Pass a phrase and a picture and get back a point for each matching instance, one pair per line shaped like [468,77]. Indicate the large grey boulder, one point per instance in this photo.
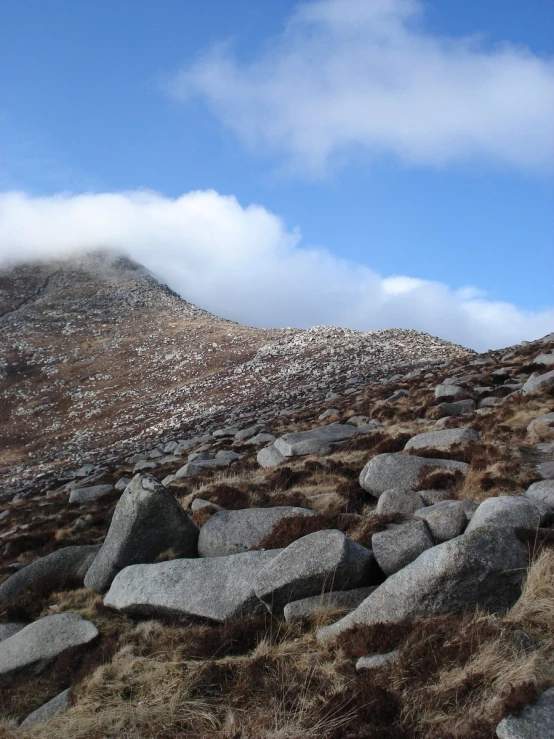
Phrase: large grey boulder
[219,588]
[510,511]
[231,532]
[539,383]
[324,560]
[542,494]
[65,568]
[534,722]
[449,392]
[482,568]
[445,519]
[270,456]
[54,707]
[457,408]
[314,441]
[337,600]
[43,640]
[400,544]
[403,471]
[146,522]
[90,494]
[442,440]
[400,502]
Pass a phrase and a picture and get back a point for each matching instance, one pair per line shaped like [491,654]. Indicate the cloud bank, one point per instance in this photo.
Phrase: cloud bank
[363,77]
[244,264]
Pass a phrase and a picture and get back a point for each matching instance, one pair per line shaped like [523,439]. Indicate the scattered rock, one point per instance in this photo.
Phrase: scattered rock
[250,432]
[448,392]
[546,359]
[88,495]
[122,483]
[314,441]
[146,522]
[261,439]
[402,502]
[482,568]
[40,642]
[338,600]
[445,519]
[322,561]
[55,707]
[219,588]
[199,503]
[510,511]
[459,408]
[222,433]
[270,456]
[231,532]
[402,471]
[534,722]
[376,660]
[65,568]
[542,494]
[539,383]
[443,440]
[541,428]
[399,545]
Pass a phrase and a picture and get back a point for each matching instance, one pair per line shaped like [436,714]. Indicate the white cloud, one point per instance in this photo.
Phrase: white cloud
[365,76]
[242,263]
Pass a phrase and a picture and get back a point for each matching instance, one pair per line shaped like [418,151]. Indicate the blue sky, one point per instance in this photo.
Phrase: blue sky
[377,139]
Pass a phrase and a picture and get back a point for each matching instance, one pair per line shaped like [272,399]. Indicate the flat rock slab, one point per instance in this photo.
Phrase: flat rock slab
[89,494]
[337,600]
[402,471]
[443,440]
[399,545]
[44,640]
[219,588]
[314,441]
[146,522]
[510,511]
[484,568]
[55,707]
[534,722]
[65,568]
[319,562]
[231,532]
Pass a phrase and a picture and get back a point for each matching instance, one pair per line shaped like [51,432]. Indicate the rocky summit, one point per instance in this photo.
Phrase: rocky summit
[211,530]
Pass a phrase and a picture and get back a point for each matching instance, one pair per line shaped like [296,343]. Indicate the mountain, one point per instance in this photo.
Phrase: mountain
[96,355]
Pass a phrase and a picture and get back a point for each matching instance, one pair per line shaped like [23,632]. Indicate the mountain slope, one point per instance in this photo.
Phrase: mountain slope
[94,352]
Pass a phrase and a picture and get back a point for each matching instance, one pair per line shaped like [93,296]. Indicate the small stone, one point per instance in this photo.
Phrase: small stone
[399,545]
[376,660]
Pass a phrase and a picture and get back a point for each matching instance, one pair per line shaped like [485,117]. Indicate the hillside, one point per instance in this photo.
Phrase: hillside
[375,565]
[97,355]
